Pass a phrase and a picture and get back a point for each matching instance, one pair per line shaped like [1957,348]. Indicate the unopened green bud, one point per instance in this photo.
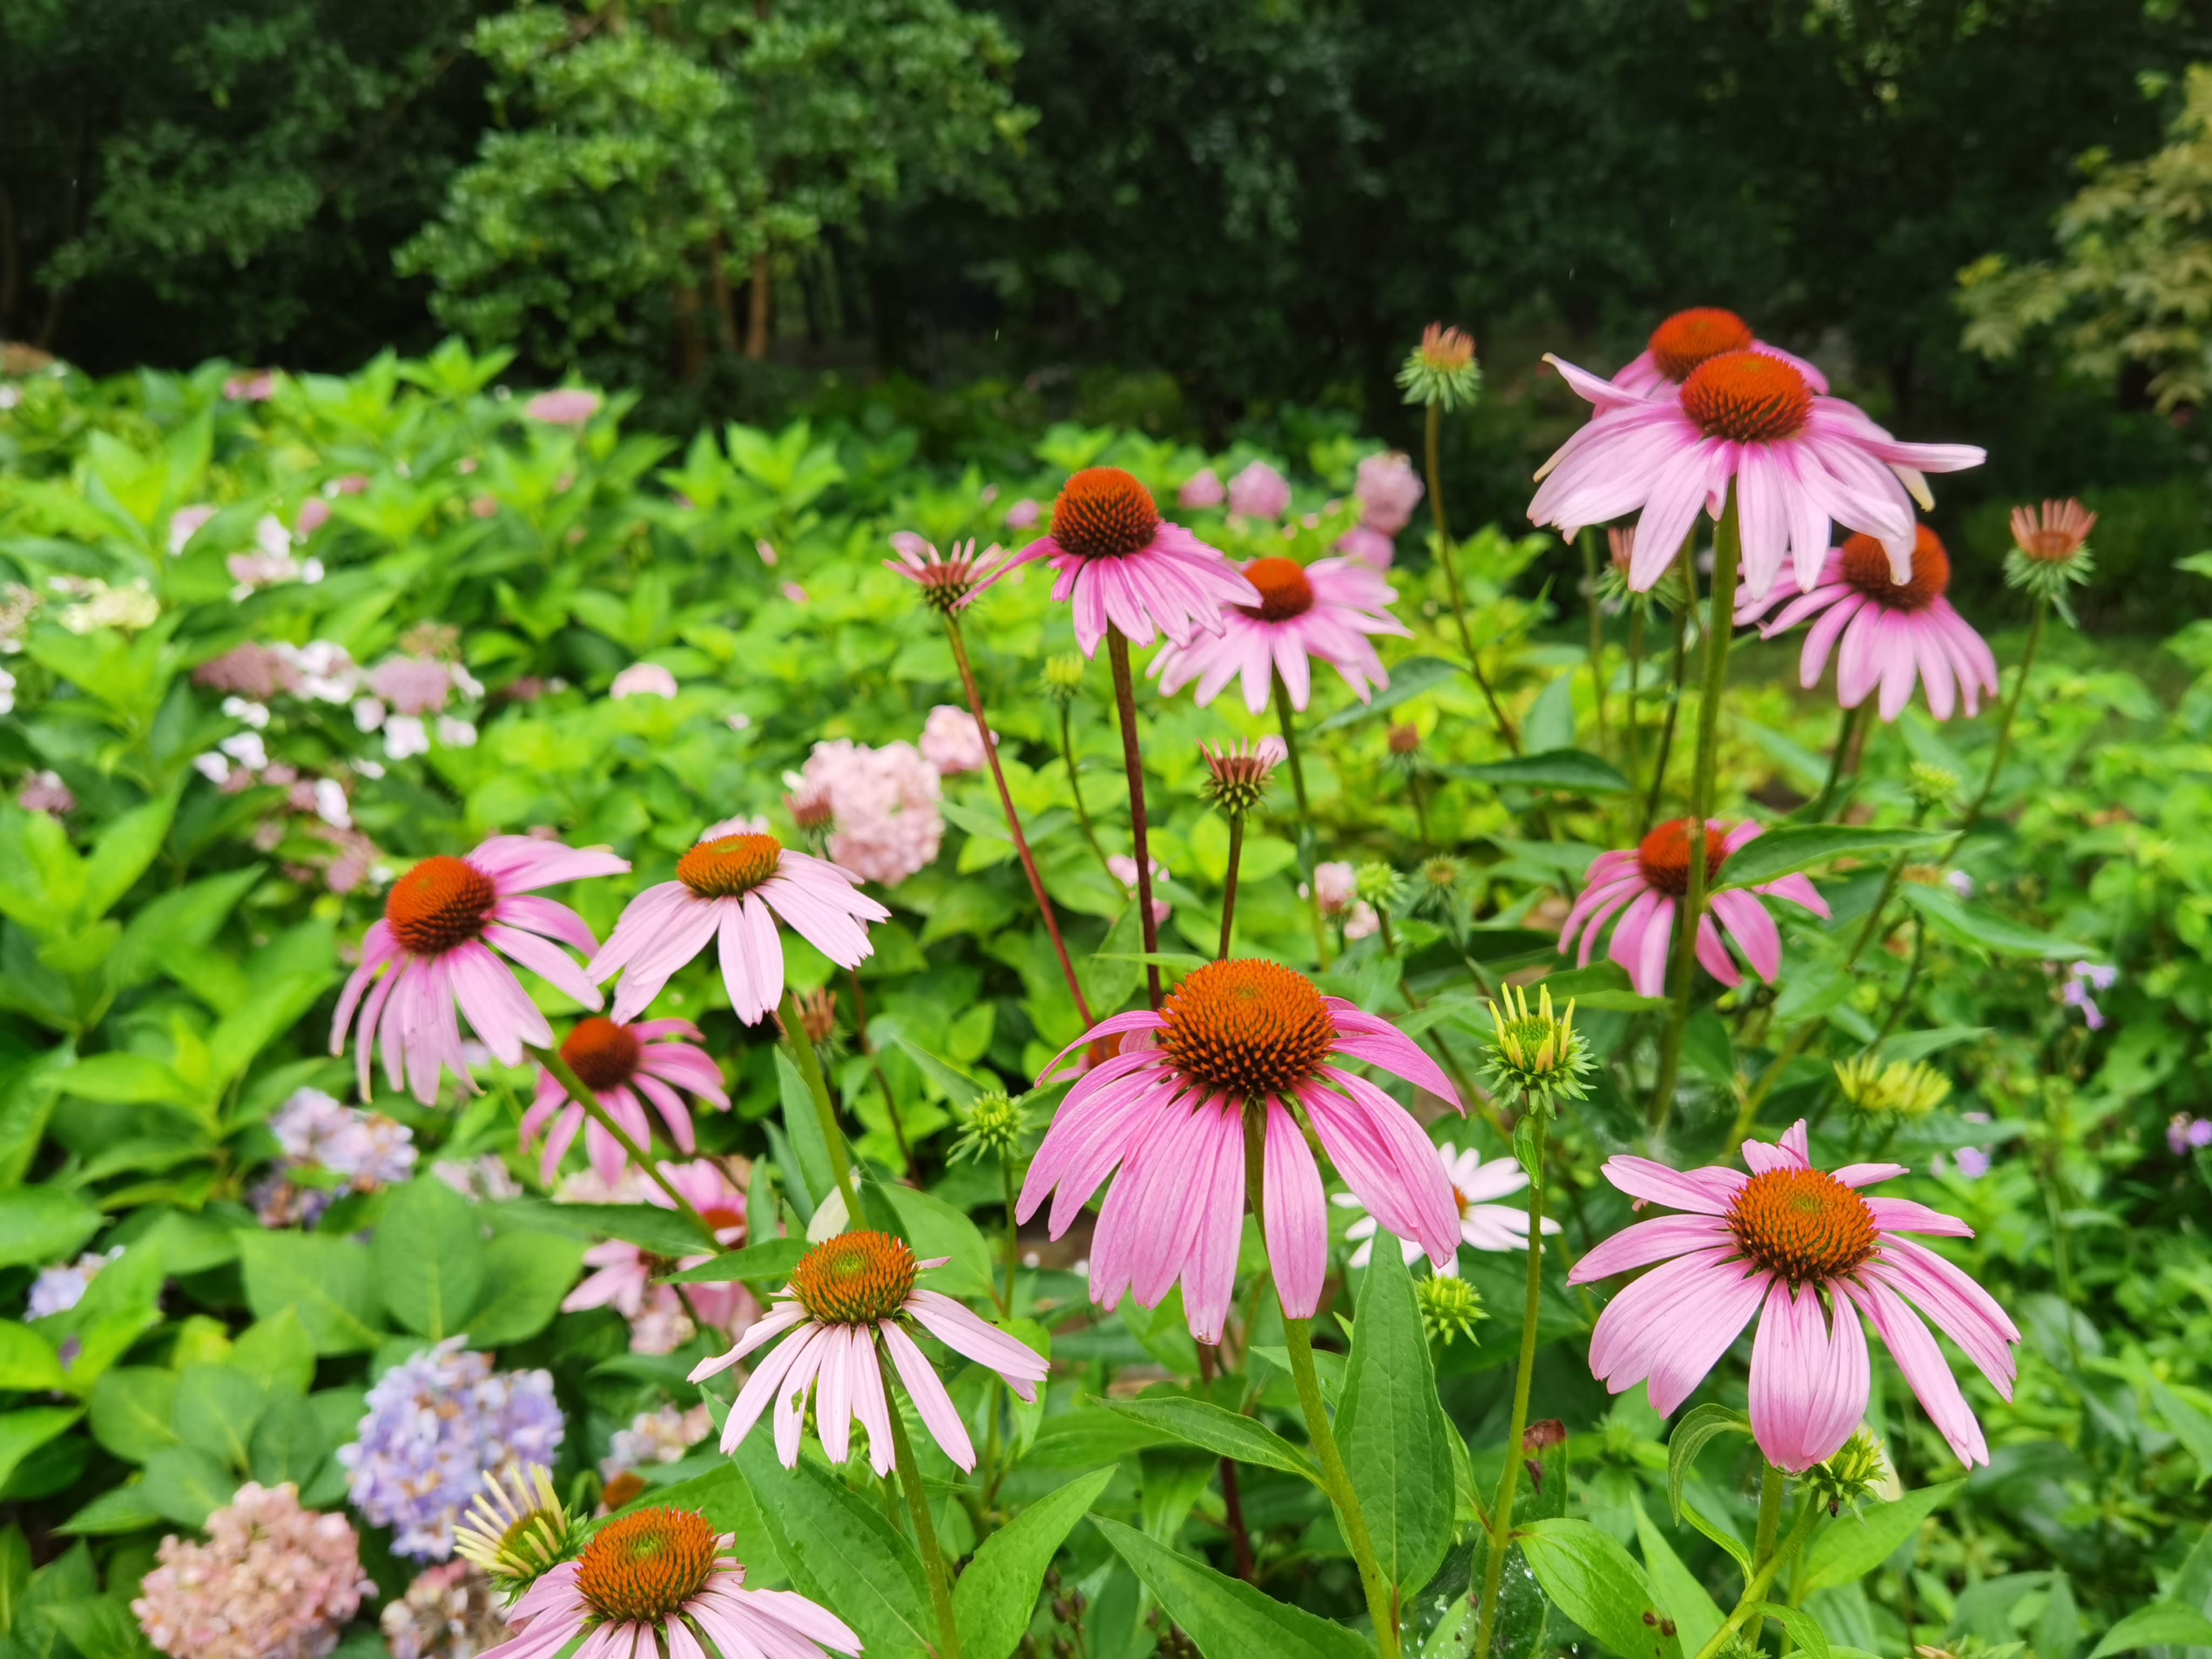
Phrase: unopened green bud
[1450,1308]
[1900,1089]
[993,1126]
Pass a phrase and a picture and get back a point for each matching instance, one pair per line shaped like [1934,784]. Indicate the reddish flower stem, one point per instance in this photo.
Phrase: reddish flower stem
[1125,706]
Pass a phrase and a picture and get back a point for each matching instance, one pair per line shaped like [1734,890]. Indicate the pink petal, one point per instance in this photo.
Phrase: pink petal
[1708,1191]
[1809,1387]
[964,1333]
[1296,1224]
[1645,1242]
[927,1392]
[1922,1361]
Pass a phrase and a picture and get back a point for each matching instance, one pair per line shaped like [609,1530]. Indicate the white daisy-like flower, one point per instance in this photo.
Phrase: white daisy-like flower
[1484,1224]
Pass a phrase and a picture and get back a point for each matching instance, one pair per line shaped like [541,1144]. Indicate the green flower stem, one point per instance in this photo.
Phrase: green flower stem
[1728,549]
[1336,1481]
[1836,759]
[1229,891]
[1133,761]
[917,1506]
[1451,579]
[1075,788]
[566,1077]
[1770,1515]
[1589,539]
[1013,818]
[802,1054]
[1501,1513]
[1635,695]
[1286,718]
[1754,1592]
[1013,1230]
[2004,729]
[1687,564]
[882,1082]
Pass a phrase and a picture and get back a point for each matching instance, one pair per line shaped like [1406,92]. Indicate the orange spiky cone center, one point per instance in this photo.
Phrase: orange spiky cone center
[1246,1029]
[854,1278]
[1663,856]
[1804,1225]
[1747,397]
[1103,512]
[643,1568]
[730,867]
[1866,566]
[602,1054]
[442,903]
[1690,337]
[1286,590]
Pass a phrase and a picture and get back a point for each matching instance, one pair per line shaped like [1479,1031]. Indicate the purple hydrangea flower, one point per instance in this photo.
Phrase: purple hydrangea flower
[2185,1134]
[436,1424]
[364,1150]
[56,1289]
[1973,1163]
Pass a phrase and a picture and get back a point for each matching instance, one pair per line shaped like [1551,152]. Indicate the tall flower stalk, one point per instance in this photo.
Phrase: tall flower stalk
[1132,762]
[588,1099]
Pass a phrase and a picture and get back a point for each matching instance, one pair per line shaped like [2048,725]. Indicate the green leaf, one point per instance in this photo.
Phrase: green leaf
[959,1088]
[934,1228]
[217,1408]
[841,1551]
[769,1261]
[1851,1547]
[428,1254]
[1691,1435]
[28,1361]
[134,1411]
[662,1232]
[187,1485]
[117,1509]
[1086,1438]
[525,1276]
[327,1282]
[2188,1425]
[1796,846]
[39,1224]
[1409,679]
[124,849]
[1110,973]
[289,1443]
[802,1123]
[23,1432]
[276,1353]
[1596,1582]
[100,1627]
[997,1591]
[2162,1624]
[1202,1424]
[14,1575]
[1804,1628]
[1227,1618]
[1695,1617]
[1392,1429]
[1574,771]
[1977,925]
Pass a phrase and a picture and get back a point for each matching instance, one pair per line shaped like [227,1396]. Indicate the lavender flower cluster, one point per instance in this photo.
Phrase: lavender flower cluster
[436,1424]
[362,1150]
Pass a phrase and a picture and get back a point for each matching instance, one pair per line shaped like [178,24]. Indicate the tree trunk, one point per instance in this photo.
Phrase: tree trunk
[690,346]
[756,322]
[726,310]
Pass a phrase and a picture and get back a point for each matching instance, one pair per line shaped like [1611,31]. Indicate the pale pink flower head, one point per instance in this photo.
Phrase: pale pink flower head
[952,741]
[1644,885]
[413,686]
[315,513]
[569,406]
[1892,634]
[1024,513]
[2056,534]
[645,1582]
[1123,566]
[660,1319]
[619,1063]
[1796,460]
[1327,609]
[1389,490]
[642,679]
[255,386]
[1808,1253]
[735,883]
[185,522]
[1335,886]
[1260,492]
[1689,338]
[1124,869]
[1483,1223]
[435,946]
[273,1581]
[1364,545]
[883,802]
[1201,490]
[852,1298]
[1238,1037]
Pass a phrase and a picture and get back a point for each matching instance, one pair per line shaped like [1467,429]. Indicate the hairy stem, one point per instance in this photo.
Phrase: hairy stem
[882,1082]
[1336,1481]
[1755,1591]
[1451,579]
[925,1533]
[1132,762]
[1228,890]
[1075,787]
[1501,1513]
[2004,728]
[1635,695]
[802,1054]
[1687,564]
[1286,718]
[1589,539]
[566,1077]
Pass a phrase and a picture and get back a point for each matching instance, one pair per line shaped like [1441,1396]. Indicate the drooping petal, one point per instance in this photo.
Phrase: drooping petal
[1809,1385]
[1296,1223]
[965,1333]
[1647,1241]
[1708,1191]
[927,1390]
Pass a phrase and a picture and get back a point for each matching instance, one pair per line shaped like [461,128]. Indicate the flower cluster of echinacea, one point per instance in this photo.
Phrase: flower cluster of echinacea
[446,923]
[1750,420]
[1643,887]
[1119,565]
[663,1581]
[1327,609]
[1885,634]
[1808,1253]
[734,886]
[848,1307]
[619,1063]
[1238,1038]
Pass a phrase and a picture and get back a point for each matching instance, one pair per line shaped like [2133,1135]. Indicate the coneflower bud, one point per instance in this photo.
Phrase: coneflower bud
[1932,786]
[1380,885]
[1449,1309]
[1900,1089]
[945,582]
[2050,551]
[1236,775]
[1848,1477]
[993,1126]
[1536,1059]
[810,807]
[1442,370]
[517,1528]
[817,1013]
[1063,677]
[1405,738]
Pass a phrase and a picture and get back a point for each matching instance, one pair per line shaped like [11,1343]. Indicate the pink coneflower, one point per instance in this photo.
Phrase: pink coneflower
[1689,338]
[736,882]
[1786,1238]
[618,1062]
[1484,1224]
[625,1273]
[442,921]
[1644,885]
[1327,609]
[1235,1037]
[848,1295]
[1797,460]
[1122,565]
[641,1585]
[1892,633]
[946,579]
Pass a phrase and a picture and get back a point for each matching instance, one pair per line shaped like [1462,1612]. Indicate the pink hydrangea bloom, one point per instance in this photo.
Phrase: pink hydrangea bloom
[569,406]
[1335,885]
[1644,885]
[1121,565]
[952,741]
[1809,1255]
[1388,489]
[1327,609]
[884,804]
[1024,513]
[1885,633]
[1202,490]
[852,1298]
[619,1062]
[1260,492]
[442,922]
[412,685]
[185,522]
[1236,1037]
[273,1581]
[642,679]
[1364,545]
[736,883]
